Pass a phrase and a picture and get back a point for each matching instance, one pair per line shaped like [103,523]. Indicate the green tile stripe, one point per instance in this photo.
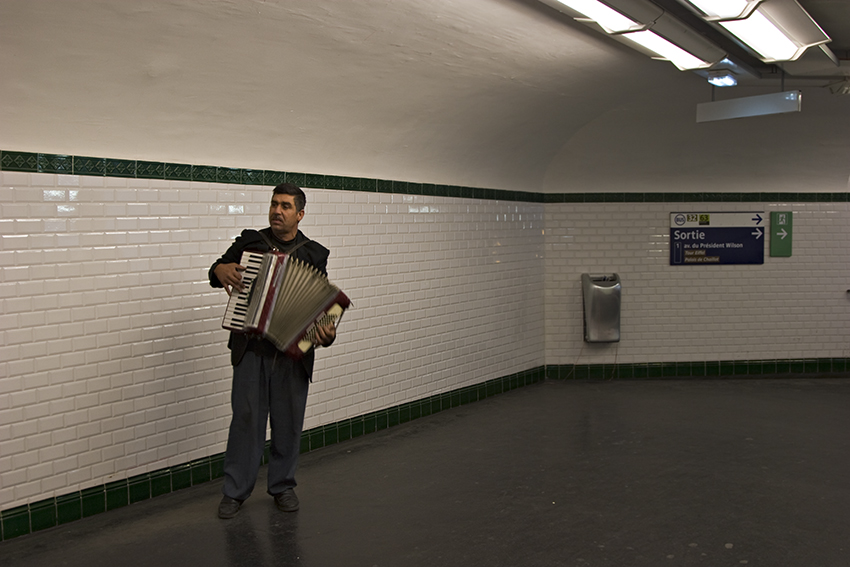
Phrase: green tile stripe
[109,167]
[695,197]
[811,367]
[52,512]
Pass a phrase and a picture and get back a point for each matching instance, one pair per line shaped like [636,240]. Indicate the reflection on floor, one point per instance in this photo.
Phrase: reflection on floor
[624,473]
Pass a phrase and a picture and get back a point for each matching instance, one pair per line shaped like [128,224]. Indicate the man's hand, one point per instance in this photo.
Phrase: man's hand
[230,276]
[325,335]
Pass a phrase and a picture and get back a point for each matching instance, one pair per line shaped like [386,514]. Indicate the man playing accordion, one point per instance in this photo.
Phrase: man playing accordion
[267,384]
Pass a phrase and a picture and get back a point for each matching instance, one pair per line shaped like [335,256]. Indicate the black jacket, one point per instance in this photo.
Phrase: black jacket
[310,252]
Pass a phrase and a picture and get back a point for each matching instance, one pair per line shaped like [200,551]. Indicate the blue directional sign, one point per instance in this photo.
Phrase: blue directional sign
[716,238]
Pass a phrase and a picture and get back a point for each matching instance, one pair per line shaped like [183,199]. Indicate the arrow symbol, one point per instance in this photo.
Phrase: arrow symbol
[783,234]
[757,233]
[757,218]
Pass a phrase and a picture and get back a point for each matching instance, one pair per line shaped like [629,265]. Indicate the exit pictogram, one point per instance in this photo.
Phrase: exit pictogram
[781,231]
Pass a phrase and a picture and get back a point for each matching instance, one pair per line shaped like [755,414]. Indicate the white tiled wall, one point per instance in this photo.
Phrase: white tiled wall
[113,362]
[795,307]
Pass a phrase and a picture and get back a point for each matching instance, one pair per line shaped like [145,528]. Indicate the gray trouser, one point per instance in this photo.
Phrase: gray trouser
[264,387]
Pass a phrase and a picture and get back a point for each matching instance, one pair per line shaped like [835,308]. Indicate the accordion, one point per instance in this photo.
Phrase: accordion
[283,299]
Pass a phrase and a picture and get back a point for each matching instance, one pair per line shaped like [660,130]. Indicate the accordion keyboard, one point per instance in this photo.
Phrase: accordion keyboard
[237,306]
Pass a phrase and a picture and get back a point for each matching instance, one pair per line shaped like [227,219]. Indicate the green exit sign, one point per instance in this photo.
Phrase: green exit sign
[781,230]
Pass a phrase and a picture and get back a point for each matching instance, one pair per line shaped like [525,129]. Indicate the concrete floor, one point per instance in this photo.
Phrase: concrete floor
[585,474]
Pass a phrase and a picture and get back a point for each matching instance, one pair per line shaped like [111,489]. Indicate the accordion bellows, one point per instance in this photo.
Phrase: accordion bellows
[283,299]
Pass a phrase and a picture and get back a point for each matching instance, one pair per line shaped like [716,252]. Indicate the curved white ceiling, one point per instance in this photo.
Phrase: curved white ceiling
[504,94]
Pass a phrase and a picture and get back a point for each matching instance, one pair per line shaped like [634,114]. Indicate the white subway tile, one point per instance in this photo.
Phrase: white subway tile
[114,291]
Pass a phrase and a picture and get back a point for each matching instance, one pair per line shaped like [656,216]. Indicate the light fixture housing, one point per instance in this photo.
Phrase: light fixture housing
[841,87]
[775,30]
[647,28]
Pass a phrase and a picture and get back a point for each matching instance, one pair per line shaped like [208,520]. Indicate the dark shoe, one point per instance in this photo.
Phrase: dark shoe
[228,507]
[286,501]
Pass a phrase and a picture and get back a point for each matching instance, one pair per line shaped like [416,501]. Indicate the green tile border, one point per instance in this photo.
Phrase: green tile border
[782,368]
[52,512]
[109,167]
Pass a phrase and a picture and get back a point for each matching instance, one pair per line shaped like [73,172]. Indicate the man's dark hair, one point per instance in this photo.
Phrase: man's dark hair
[295,191]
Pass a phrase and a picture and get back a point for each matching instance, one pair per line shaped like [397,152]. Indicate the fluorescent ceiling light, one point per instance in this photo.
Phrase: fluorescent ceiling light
[648,28]
[724,9]
[611,20]
[666,50]
[776,30]
[763,37]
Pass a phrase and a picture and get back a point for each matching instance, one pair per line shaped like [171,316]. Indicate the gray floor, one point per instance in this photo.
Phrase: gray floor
[625,474]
